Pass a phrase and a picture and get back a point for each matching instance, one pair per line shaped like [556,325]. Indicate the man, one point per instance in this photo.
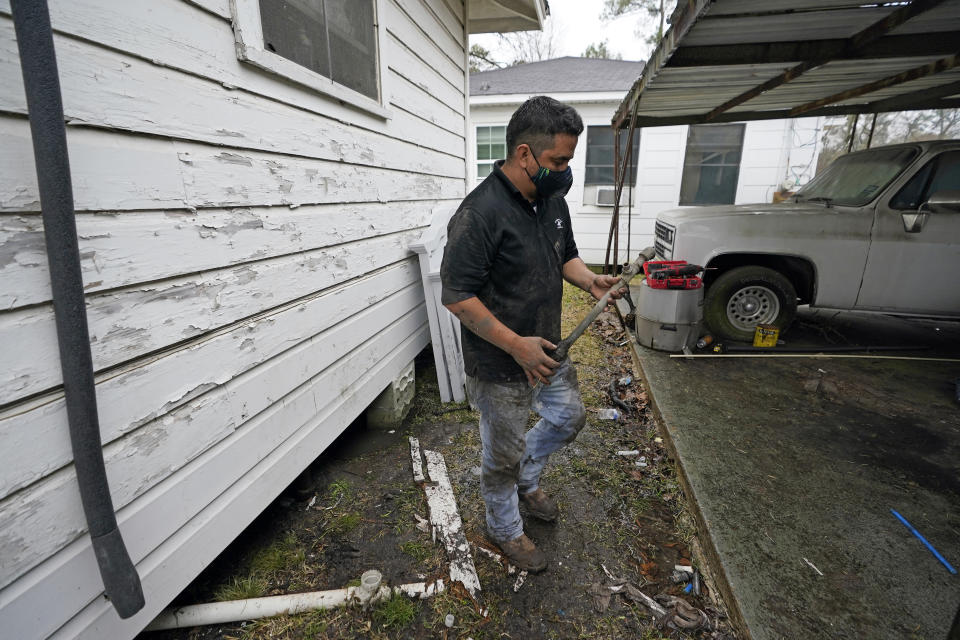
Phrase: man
[509,248]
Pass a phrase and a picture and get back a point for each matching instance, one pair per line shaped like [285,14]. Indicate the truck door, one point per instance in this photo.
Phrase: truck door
[914,272]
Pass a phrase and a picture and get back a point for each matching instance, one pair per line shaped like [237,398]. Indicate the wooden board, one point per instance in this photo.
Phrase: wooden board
[217,7]
[451,17]
[121,250]
[112,171]
[129,323]
[407,64]
[433,29]
[203,508]
[103,88]
[143,458]
[35,435]
[415,100]
[178,35]
[446,518]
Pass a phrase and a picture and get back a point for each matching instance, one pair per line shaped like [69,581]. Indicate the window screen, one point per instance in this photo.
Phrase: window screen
[335,38]
[600,167]
[491,146]
[711,166]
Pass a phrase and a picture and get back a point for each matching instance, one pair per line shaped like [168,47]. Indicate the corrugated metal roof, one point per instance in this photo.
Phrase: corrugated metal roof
[560,75]
[732,60]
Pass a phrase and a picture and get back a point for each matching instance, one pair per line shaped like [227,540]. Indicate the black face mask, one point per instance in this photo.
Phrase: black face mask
[551,184]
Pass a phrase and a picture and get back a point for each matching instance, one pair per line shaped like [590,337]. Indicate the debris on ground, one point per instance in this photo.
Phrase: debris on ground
[368,513]
[511,569]
[445,517]
[682,616]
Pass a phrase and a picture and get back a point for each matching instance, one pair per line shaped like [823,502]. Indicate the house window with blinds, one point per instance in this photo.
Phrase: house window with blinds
[711,166]
[335,38]
[600,166]
[491,146]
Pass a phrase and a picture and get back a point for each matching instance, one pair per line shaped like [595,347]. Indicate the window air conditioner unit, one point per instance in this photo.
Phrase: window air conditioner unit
[606,196]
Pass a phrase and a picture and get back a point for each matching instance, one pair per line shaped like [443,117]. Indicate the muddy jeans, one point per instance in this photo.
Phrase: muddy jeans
[512,460]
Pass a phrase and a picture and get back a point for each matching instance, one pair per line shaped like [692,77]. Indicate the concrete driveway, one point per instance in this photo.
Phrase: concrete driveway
[794,465]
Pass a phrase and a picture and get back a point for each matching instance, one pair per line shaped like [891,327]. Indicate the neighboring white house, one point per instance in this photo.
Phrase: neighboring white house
[248,176]
[674,166]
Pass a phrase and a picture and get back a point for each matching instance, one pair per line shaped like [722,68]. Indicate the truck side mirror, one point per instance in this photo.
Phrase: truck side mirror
[943,202]
[913,221]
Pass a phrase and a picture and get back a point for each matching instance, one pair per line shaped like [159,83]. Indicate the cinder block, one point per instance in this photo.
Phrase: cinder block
[393,404]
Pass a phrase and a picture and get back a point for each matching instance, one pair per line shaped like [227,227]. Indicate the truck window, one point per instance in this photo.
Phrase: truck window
[940,174]
[856,179]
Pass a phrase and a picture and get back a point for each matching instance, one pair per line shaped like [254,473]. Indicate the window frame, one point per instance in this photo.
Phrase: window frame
[934,164]
[683,167]
[476,144]
[248,34]
[634,162]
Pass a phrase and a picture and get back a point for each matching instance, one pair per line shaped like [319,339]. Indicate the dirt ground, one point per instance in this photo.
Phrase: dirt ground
[356,507]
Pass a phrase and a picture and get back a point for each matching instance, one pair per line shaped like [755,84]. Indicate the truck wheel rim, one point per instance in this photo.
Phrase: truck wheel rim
[751,306]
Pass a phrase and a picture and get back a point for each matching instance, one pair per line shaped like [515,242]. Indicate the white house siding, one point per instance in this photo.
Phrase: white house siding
[773,150]
[244,246]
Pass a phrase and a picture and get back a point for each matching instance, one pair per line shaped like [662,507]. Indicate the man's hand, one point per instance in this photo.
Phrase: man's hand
[529,354]
[527,351]
[576,273]
[601,284]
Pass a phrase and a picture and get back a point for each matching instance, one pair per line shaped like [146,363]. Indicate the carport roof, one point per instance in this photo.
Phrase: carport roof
[737,60]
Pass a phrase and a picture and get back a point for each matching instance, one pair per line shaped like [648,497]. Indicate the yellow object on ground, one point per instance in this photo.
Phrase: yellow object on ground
[765,335]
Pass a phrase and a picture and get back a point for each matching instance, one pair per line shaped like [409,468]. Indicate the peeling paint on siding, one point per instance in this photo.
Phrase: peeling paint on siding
[234,158]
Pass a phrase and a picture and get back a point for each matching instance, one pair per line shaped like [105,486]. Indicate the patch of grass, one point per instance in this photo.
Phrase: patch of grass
[400,509]
[332,623]
[338,490]
[344,523]
[397,612]
[316,622]
[282,555]
[417,550]
[241,589]
[467,620]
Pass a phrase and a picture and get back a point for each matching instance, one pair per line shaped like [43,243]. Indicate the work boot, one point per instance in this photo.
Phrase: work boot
[540,505]
[523,554]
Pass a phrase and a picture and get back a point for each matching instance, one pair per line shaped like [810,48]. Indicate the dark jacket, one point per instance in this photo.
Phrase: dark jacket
[509,254]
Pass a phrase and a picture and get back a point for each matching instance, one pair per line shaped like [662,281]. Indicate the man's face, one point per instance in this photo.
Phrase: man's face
[557,157]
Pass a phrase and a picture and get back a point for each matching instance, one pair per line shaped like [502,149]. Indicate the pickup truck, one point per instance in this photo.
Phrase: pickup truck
[878,230]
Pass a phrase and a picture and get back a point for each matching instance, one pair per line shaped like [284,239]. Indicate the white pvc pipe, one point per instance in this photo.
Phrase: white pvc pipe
[371,590]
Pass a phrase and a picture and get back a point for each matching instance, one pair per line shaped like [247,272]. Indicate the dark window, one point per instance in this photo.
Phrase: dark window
[940,174]
[600,168]
[711,166]
[491,146]
[335,38]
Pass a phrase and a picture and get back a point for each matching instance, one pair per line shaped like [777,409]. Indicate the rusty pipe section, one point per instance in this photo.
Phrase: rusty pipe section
[626,276]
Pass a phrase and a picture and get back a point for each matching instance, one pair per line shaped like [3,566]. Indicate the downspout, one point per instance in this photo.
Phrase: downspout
[31,19]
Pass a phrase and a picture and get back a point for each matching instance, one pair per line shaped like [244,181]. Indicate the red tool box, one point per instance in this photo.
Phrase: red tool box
[669,278]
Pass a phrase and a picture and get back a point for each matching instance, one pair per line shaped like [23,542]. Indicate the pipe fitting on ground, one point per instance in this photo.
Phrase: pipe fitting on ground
[371,589]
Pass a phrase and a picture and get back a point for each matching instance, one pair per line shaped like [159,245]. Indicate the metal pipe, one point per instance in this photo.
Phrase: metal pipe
[815,349]
[823,356]
[31,19]
[629,271]
[370,591]
[853,132]
[873,125]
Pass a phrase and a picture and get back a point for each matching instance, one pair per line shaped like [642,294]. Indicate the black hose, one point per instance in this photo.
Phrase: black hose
[31,19]
[615,397]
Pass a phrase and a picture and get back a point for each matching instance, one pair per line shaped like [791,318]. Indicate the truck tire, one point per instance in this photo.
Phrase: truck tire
[744,297]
